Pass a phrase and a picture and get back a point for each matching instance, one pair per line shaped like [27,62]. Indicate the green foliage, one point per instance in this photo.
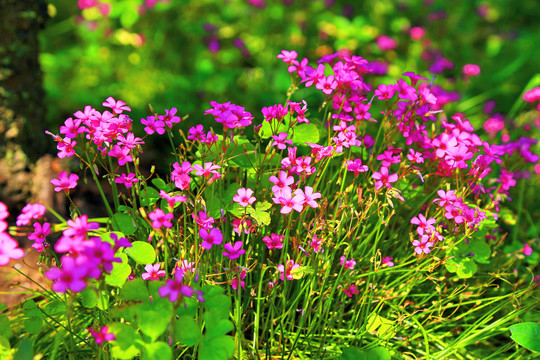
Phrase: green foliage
[378,353]
[526,334]
[142,252]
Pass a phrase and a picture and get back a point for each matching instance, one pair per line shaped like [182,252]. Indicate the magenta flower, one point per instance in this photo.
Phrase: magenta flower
[196,133]
[423,245]
[29,212]
[356,166]
[347,264]
[3,211]
[279,141]
[70,276]
[103,335]
[471,70]
[153,272]
[129,141]
[274,241]
[160,219]
[40,232]
[173,288]
[65,182]
[446,198]
[284,181]
[72,128]
[203,220]
[527,250]
[122,154]
[117,106]
[308,196]
[207,170]
[286,269]
[127,180]
[239,281]
[288,57]
[234,251]
[212,237]
[9,249]
[172,200]
[388,261]
[242,225]
[180,175]
[424,225]
[351,290]
[243,197]
[288,202]
[66,147]
[184,267]
[170,117]
[383,178]
[385,92]
[386,43]
[153,125]
[327,84]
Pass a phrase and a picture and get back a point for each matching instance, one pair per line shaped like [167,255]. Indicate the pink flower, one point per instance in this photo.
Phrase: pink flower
[129,141]
[239,281]
[386,43]
[127,180]
[234,251]
[103,335]
[387,260]
[287,268]
[423,246]
[153,125]
[40,231]
[280,141]
[527,249]
[3,211]
[65,182]
[281,182]
[471,70]
[180,175]
[383,178]
[274,241]
[207,170]
[153,272]
[203,220]
[327,84]
[351,290]
[417,33]
[173,288]
[172,200]
[9,249]
[212,237]
[243,197]
[288,202]
[66,147]
[72,128]
[29,212]
[170,117]
[308,196]
[424,225]
[122,154]
[184,267]
[160,219]
[288,57]
[117,106]
[347,264]
[70,276]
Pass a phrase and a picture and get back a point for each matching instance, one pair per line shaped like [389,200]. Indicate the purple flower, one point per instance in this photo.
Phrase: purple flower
[274,241]
[153,125]
[212,237]
[170,117]
[234,251]
[102,336]
[70,276]
[173,288]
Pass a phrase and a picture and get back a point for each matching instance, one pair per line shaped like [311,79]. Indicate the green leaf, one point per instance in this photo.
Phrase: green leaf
[187,331]
[305,133]
[221,304]
[119,273]
[107,236]
[149,196]
[134,290]
[215,329]
[24,351]
[127,342]
[123,223]
[480,249]
[142,252]
[157,351]
[526,334]
[188,308]
[103,300]
[261,217]
[4,346]
[153,318]
[30,309]
[5,329]
[89,298]
[244,155]
[161,185]
[55,307]
[221,348]
[299,273]
[378,353]
[467,268]
[33,325]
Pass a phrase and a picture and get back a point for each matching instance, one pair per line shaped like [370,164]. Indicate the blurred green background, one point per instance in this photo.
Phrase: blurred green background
[184,53]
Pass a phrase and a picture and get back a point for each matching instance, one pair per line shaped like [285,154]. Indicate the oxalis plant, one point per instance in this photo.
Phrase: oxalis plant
[363,228]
